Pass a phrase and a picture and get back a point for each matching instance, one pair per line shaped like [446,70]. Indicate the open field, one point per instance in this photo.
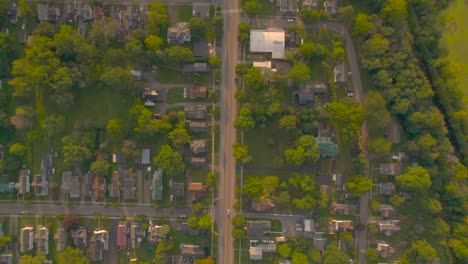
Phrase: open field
[455,38]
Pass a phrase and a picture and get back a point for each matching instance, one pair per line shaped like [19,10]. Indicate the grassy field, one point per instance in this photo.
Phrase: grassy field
[185,12]
[176,95]
[167,75]
[455,38]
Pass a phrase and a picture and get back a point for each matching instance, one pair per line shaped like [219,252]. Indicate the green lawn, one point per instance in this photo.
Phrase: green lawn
[198,174]
[268,8]
[455,39]
[176,95]
[171,75]
[185,12]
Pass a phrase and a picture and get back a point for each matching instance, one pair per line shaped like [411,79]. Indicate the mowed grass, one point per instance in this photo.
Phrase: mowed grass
[454,39]
[185,12]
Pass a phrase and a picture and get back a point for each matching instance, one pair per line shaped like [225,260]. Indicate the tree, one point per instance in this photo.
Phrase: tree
[242,69]
[348,115]
[179,137]
[362,25]
[375,112]
[72,255]
[338,53]
[198,28]
[158,18]
[299,257]
[18,150]
[163,248]
[100,167]
[379,144]
[254,79]
[103,32]
[300,73]
[420,252]
[118,78]
[302,188]
[215,62]
[114,128]
[244,32]
[305,151]
[204,222]
[359,185]
[245,118]
[288,122]
[360,162]
[372,255]
[218,24]
[238,233]
[347,14]
[75,154]
[178,55]
[115,57]
[310,16]
[252,7]
[395,10]
[54,124]
[284,250]
[153,43]
[38,259]
[417,179]
[334,256]
[207,260]
[240,151]
[239,221]
[256,187]
[169,160]
[396,200]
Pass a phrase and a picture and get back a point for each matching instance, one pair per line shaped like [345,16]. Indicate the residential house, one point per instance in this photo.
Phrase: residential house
[133,19]
[40,185]
[122,235]
[386,188]
[114,185]
[61,239]
[308,92]
[339,183]
[331,6]
[197,161]
[340,226]
[319,241]
[270,40]
[179,33]
[157,185]
[99,243]
[198,127]
[6,258]
[390,169]
[12,13]
[384,250]
[287,7]
[71,184]
[262,205]
[85,11]
[310,4]
[190,253]
[343,209]
[128,188]
[389,227]
[255,253]
[41,238]
[326,147]
[198,146]
[23,185]
[258,227]
[53,13]
[137,76]
[87,184]
[387,210]
[177,190]
[393,131]
[137,234]
[151,95]
[195,112]
[197,190]
[70,13]
[79,238]
[26,239]
[195,92]
[202,49]
[195,67]
[154,234]
[99,188]
[145,156]
[339,73]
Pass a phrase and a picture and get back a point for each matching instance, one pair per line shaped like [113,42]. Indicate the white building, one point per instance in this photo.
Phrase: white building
[268,40]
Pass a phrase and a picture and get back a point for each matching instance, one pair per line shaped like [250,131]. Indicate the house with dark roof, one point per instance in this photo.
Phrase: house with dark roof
[343,209]
[195,112]
[198,127]
[137,234]
[26,239]
[114,185]
[189,254]
[157,185]
[151,95]
[262,204]
[326,147]
[61,239]
[99,243]
[179,33]
[386,188]
[258,227]
[389,227]
[97,13]
[79,238]
[87,184]
[197,161]
[338,180]
[195,67]
[12,13]
[137,76]
[314,4]
[340,226]
[390,169]
[287,7]
[198,146]
[41,238]
[99,188]
[255,253]
[319,241]
[387,210]
[196,92]
[85,11]
[23,185]
[71,184]
[308,92]
[6,258]
[339,73]
[40,185]
[331,6]
[197,190]
[177,190]
[202,49]
[122,235]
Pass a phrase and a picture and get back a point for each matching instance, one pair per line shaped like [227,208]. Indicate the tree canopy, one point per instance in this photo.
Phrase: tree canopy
[169,160]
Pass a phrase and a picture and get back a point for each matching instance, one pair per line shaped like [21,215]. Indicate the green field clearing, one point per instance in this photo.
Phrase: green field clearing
[176,95]
[455,38]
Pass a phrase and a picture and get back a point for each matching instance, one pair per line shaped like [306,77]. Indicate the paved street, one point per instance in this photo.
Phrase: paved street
[227,181]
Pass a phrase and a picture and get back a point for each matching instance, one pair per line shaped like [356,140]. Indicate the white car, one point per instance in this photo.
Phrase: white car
[228,212]
[290,20]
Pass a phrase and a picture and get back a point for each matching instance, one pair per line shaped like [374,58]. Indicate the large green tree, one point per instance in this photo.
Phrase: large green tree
[334,256]
[305,151]
[416,179]
[169,160]
[347,114]
[100,167]
[300,73]
[158,18]
[420,252]
[245,118]
[198,27]
[179,137]
[118,78]
[178,55]
[72,255]
[375,112]
[254,79]
[359,185]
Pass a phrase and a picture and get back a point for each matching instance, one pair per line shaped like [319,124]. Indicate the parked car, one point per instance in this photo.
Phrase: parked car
[349,92]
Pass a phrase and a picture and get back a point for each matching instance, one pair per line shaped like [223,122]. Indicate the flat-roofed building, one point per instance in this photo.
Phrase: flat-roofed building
[268,40]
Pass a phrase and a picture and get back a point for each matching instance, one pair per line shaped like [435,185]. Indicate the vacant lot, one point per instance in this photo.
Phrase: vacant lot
[455,38]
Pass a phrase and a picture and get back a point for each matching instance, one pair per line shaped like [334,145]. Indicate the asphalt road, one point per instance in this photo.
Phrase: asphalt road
[227,181]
